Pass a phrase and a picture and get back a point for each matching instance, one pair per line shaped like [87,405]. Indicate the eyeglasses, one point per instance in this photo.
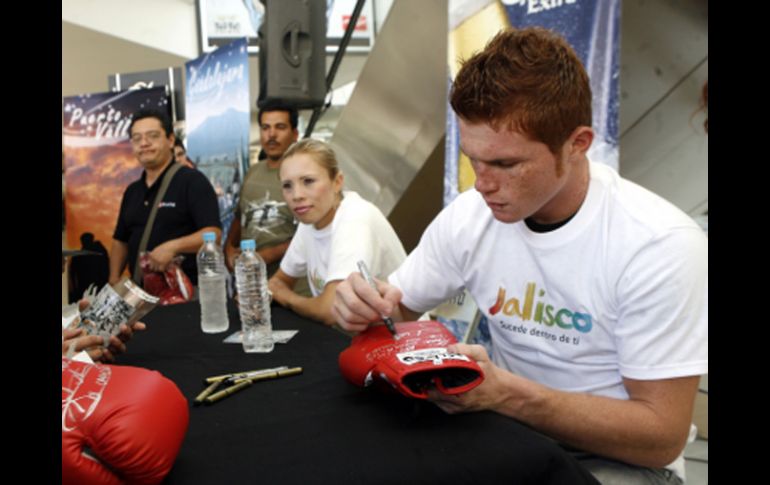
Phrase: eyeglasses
[152,136]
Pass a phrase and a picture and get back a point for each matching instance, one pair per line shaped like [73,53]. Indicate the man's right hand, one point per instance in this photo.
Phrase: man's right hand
[356,304]
[75,340]
[94,344]
[231,252]
[233,242]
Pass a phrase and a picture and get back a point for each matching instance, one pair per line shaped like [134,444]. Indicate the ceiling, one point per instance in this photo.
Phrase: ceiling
[664,63]
[89,57]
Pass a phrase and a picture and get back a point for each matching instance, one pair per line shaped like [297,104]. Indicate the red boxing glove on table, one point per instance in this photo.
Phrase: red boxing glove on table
[410,362]
[120,424]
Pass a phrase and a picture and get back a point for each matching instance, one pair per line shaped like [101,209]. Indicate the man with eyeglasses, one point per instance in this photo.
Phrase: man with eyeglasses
[188,208]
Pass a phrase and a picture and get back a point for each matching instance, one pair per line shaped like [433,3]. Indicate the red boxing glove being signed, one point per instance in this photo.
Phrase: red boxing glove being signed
[413,361]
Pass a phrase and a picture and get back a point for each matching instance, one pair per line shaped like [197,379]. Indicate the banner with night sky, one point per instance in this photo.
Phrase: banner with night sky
[98,160]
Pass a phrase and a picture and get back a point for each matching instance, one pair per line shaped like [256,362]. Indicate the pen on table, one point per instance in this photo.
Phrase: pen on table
[368,277]
[285,372]
[240,375]
[246,382]
[227,391]
[211,388]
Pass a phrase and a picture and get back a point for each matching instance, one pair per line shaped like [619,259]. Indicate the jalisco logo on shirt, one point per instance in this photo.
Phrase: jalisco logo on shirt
[544,313]
[317,282]
[166,204]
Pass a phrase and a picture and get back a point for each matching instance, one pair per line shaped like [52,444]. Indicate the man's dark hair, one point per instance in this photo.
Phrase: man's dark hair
[293,113]
[178,143]
[165,121]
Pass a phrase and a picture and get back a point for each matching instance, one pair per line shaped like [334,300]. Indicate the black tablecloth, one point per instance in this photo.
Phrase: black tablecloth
[318,428]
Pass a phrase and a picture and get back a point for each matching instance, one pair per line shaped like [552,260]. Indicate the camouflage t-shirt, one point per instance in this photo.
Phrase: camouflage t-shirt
[265,216]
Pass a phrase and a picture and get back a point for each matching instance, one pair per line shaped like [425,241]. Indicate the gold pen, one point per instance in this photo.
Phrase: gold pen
[246,382]
[211,388]
[241,375]
[272,375]
[227,391]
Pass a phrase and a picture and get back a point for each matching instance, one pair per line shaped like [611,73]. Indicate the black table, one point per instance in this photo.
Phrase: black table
[318,428]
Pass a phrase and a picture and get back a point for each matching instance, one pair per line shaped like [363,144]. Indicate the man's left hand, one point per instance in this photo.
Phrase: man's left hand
[489,395]
[161,257]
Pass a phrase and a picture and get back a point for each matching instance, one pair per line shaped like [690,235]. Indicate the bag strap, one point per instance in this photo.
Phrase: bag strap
[151,220]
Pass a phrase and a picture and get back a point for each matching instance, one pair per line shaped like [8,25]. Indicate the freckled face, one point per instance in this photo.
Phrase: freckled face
[516,175]
[309,191]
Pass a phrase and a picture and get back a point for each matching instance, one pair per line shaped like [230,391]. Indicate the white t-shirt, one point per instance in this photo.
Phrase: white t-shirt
[358,231]
[621,290]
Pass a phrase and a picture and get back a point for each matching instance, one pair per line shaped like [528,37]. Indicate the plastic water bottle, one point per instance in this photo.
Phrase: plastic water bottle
[211,285]
[254,299]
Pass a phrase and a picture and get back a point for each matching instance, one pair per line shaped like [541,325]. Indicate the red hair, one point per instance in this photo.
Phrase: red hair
[531,80]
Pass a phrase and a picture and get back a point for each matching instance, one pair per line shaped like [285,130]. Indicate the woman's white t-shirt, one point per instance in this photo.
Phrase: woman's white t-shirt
[358,232]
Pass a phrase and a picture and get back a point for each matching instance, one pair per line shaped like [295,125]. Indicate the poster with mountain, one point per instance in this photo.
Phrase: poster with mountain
[218,121]
[98,160]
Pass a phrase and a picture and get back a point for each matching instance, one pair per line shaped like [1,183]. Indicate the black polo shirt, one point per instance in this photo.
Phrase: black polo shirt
[188,205]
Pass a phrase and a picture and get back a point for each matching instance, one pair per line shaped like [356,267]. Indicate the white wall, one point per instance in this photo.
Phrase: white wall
[165,25]
[664,62]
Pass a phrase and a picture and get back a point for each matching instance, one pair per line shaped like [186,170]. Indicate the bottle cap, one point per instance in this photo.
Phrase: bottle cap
[248,244]
[209,236]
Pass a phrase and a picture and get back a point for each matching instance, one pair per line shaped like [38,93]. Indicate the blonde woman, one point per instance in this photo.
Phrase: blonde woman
[337,229]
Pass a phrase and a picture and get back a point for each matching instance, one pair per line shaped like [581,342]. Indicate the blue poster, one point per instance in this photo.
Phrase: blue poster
[592,27]
[218,120]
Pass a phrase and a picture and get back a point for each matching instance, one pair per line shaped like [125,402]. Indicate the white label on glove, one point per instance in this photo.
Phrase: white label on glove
[436,355]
